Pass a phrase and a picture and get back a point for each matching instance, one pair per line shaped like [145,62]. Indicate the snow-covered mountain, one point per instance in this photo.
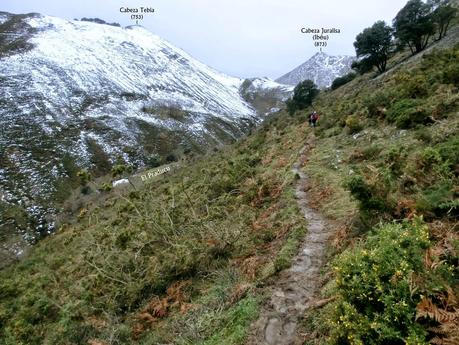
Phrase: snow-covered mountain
[320,68]
[80,95]
[265,95]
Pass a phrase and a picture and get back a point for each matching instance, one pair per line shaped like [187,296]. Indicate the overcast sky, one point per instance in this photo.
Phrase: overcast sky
[243,38]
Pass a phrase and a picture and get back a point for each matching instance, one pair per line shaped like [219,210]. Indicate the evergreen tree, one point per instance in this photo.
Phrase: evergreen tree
[303,95]
[443,13]
[374,45]
[414,25]
[362,66]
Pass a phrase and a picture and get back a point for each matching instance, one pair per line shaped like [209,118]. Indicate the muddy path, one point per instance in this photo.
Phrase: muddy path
[296,289]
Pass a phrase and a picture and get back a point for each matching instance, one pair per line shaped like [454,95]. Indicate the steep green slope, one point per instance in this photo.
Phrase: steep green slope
[197,242]
[393,143]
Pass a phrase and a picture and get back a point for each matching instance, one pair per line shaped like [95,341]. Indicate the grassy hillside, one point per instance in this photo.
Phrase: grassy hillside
[184,259]
[393,143]
[174,262]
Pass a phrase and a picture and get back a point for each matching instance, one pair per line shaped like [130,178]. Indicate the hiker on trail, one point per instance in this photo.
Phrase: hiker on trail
[313,118]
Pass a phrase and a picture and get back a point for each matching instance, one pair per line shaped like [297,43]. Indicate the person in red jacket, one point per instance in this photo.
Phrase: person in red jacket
[313,118]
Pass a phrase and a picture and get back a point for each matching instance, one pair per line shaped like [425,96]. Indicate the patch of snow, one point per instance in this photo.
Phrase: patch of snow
[267,83]
[3,18]
[120,182]
[96,57]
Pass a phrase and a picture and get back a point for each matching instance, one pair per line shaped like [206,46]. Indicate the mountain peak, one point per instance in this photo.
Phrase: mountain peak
[319,54]
[99,94]
[320,68]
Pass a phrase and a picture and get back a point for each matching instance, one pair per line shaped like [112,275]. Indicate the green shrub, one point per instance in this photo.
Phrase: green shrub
[377,103]
[154,161]
[443,104]
[120,169]
[106,187]
[442,66]
[84,176]
[406,113]
[430,156]
[171,158]
[85,190]
[395,160]
[449,151]
[412,86]
[450,74]
[367,153]
[370,197]
[449,208]
[423,134]
[435,199]
[354,124]
[340,81]
[431,163]
[374,284]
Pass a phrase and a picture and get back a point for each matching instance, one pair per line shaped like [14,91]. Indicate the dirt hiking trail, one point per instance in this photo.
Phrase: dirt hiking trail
[296,288]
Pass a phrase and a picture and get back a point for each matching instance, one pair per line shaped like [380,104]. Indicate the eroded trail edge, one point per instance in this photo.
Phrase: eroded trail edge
[296,288]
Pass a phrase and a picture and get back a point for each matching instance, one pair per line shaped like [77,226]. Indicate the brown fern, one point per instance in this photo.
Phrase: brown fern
[159,308]
[447,332]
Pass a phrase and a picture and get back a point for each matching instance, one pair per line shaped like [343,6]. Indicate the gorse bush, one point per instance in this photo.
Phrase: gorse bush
[411,85]
[449,151]
[407,113]
[377,103]
[354,124]
[371,197]
[451,74]
[121,169]
[106,187]
[395,160]
[435,199]
[378,287]
[432,167]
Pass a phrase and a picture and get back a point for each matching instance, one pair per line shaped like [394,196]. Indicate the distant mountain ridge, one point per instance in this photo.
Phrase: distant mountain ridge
[321,68]
[82,95]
